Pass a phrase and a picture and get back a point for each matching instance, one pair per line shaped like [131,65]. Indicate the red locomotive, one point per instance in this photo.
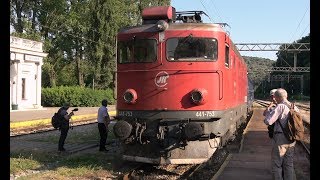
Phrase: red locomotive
[181,88]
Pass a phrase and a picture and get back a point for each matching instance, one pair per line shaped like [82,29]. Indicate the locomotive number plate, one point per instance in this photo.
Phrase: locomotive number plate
[205,113]
[125,113]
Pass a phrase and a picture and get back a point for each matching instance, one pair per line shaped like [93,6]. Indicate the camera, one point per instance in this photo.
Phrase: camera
[75,109]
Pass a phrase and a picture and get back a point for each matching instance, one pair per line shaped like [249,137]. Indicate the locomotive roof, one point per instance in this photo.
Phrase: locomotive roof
[173,26]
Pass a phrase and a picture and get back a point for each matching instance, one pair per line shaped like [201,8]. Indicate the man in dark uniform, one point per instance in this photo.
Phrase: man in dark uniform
[103,122]
[64,128]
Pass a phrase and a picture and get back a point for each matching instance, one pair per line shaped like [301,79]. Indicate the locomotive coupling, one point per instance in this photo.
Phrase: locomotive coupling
[193,131]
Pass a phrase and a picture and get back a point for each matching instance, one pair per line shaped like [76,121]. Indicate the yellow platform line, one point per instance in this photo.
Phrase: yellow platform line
[47,121]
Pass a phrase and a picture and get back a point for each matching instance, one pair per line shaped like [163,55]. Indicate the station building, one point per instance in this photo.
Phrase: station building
[26,59]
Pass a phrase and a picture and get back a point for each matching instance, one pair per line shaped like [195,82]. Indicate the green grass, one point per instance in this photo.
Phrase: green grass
[59,166]
[78,165]
[88,161]
[22,161]
[23,164]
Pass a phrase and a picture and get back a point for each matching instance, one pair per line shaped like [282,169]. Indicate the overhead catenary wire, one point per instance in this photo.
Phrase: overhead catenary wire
[304,31]
[222,22]
[217,10]
[299,24]
[206,10]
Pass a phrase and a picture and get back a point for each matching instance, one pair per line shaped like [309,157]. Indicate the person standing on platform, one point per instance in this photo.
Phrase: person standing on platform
[64,128]
[282,149]
[103,122]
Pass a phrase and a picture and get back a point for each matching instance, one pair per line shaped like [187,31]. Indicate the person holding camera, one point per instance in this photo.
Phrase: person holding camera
[273,103]
[269,109]
[103,122]
[64,128]
[282,149]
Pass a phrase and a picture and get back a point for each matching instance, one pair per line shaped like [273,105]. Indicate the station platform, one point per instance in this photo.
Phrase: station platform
[254,158]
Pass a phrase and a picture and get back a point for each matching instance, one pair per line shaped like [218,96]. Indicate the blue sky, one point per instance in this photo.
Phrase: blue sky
[256,21]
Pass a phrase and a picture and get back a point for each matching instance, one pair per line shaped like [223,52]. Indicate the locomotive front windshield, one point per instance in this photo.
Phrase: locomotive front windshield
[192,49]
[137,51]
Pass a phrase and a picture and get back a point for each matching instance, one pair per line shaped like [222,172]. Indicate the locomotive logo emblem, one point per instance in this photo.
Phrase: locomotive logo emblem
[161,79]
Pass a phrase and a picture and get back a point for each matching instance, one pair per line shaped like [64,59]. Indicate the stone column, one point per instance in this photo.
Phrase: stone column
[18,85]
[38,82]
[14,83]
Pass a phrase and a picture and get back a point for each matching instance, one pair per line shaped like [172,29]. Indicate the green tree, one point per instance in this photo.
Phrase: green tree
[79,36]
[257,69]
[106,17]
[17,8]
[286,59]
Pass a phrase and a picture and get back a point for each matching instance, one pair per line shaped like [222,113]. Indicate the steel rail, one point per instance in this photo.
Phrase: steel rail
[47,128]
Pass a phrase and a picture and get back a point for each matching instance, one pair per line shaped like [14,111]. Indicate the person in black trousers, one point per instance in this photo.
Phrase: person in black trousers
[103,122]
[64,128]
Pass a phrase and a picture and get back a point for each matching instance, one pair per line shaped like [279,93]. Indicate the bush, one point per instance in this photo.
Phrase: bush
[75,95]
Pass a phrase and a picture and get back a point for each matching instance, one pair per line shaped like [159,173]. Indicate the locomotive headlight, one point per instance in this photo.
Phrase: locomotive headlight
[198,96]
[130,96]
[162,25]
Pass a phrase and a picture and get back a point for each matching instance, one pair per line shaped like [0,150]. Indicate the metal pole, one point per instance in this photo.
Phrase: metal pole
[93,83]
[294,61]
[263,82]
[301,80]
[116,70]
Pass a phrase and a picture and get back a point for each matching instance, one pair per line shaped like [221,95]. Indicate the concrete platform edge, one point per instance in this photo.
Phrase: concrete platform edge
[225,163]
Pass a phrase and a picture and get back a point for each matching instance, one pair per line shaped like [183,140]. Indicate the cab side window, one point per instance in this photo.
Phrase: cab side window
[227,56]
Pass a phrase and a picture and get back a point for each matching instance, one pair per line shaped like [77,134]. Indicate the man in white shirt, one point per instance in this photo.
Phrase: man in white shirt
[103,122]
[283,150]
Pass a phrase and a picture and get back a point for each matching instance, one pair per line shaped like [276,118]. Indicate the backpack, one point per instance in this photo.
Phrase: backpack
[56,120]
[295,129]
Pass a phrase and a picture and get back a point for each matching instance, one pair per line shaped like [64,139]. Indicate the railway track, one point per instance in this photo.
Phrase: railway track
[72,147]
[147,171]
[206,170]
[202,171]
[46,128]
[299,105]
